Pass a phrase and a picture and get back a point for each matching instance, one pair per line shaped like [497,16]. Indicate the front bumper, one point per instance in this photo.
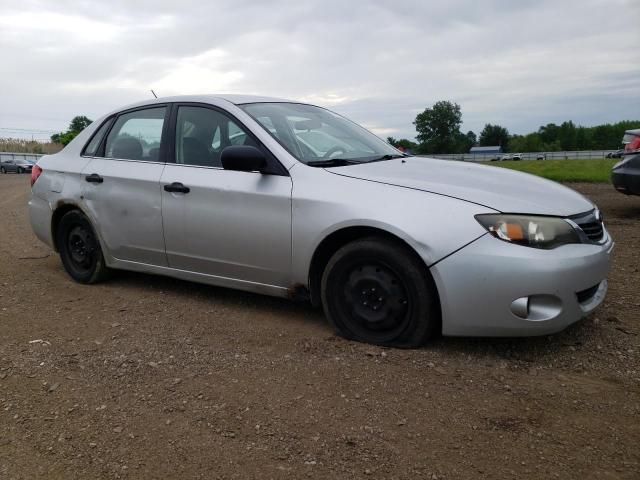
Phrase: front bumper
[481,287]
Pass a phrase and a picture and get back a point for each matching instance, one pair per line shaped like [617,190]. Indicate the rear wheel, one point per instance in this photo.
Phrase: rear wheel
[79,248]
[375,291]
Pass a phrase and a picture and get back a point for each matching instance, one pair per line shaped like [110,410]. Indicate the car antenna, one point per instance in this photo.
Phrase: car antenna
[154,93]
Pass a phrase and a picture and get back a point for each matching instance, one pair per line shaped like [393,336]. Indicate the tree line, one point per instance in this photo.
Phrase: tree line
[77,124]
[438,132]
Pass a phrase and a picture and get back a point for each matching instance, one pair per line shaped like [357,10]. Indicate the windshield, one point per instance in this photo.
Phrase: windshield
[313,134]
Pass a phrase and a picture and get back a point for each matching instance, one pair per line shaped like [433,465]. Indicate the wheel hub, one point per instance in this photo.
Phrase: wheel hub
[80,242]
[376,298]
[373,298]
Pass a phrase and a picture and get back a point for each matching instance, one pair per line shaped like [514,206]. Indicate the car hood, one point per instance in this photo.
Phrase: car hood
[494,187]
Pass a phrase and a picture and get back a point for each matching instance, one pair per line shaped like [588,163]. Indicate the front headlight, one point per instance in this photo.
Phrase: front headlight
[530,231]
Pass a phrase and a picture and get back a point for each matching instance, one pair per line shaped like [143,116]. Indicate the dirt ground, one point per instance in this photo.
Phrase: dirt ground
[148,377]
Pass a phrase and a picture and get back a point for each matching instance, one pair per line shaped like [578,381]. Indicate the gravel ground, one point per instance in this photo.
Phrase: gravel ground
[148,377]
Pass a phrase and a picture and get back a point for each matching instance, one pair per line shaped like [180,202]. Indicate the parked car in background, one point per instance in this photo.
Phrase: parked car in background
[626,174]
[16,166]
[517,156]
[395,248]
[505,157]
[541,156]
[616,154]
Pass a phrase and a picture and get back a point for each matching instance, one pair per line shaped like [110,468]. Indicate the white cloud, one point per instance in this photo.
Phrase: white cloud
[520,64]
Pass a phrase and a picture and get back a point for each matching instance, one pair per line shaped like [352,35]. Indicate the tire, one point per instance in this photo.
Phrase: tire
[376,291]
[80,250]
[20,170]
[3,170]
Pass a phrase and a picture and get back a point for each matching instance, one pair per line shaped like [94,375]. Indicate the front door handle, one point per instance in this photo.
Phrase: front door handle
[176,187]
[94,178]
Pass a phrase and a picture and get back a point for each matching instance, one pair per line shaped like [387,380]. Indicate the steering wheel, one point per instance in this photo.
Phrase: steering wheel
[333,150]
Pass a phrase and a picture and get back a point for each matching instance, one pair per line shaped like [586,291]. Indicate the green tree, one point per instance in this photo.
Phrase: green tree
[549,133]
[78,124]
[403,143]
[464,142]
[567,136]
[494,135]
[469,140]
[472,138]
[438,127]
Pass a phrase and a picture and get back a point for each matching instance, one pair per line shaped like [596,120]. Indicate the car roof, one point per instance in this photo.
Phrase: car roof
[212,98]
[633,132]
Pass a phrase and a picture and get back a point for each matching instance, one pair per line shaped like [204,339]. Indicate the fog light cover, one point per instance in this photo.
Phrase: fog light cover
[537,307]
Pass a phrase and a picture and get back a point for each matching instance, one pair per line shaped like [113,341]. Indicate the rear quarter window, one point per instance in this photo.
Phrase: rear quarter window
[92,147]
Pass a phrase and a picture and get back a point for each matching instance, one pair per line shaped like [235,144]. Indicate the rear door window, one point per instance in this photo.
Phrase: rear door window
[136,135]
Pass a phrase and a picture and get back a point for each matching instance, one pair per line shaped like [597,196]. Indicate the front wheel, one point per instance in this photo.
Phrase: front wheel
[3,170]
[79,248]
[376,291]
[20,170]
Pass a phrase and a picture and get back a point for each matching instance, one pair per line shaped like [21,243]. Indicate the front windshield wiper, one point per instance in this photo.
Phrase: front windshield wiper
[341,162]
[332,162]
[388,157]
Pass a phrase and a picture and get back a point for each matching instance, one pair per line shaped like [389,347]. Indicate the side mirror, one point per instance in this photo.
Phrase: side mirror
[243,158]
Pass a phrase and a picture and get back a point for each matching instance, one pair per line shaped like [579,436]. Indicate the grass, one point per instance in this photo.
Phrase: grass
[16,145]
[589,170]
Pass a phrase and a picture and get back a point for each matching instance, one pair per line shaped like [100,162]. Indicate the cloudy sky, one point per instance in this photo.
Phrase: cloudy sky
[516,63]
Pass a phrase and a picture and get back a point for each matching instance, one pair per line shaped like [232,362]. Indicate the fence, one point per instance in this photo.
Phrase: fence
[483,157]
[33,157]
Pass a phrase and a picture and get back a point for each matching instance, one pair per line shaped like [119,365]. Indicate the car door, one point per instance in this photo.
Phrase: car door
[230,224]
[122,185]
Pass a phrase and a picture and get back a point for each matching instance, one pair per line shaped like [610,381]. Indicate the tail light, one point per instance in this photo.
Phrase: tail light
[633,146]
[36,171]
[631,143]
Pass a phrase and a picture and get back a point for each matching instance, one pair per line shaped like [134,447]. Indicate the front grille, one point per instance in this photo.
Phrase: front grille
[591,224]
[593,230]
[586,295]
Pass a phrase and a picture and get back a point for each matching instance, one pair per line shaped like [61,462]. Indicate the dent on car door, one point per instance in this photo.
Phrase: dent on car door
[230,224]
[121,187]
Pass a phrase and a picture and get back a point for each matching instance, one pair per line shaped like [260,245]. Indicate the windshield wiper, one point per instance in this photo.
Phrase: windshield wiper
[331,162]
[388,157]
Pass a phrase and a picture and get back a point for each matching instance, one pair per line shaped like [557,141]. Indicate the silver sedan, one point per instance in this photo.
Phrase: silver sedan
[290,199]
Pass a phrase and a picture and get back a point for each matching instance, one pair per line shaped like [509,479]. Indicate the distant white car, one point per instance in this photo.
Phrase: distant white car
[517,156]
[505,157]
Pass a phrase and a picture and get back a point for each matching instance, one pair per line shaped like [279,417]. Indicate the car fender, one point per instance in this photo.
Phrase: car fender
[433,225]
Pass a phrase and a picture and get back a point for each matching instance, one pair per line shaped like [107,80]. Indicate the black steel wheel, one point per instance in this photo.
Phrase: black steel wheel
[376,291]
[3,170]
[20,170]
[79,248]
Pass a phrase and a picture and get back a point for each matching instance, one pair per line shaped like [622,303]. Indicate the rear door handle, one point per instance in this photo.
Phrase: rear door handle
[94,178]
[176,187]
